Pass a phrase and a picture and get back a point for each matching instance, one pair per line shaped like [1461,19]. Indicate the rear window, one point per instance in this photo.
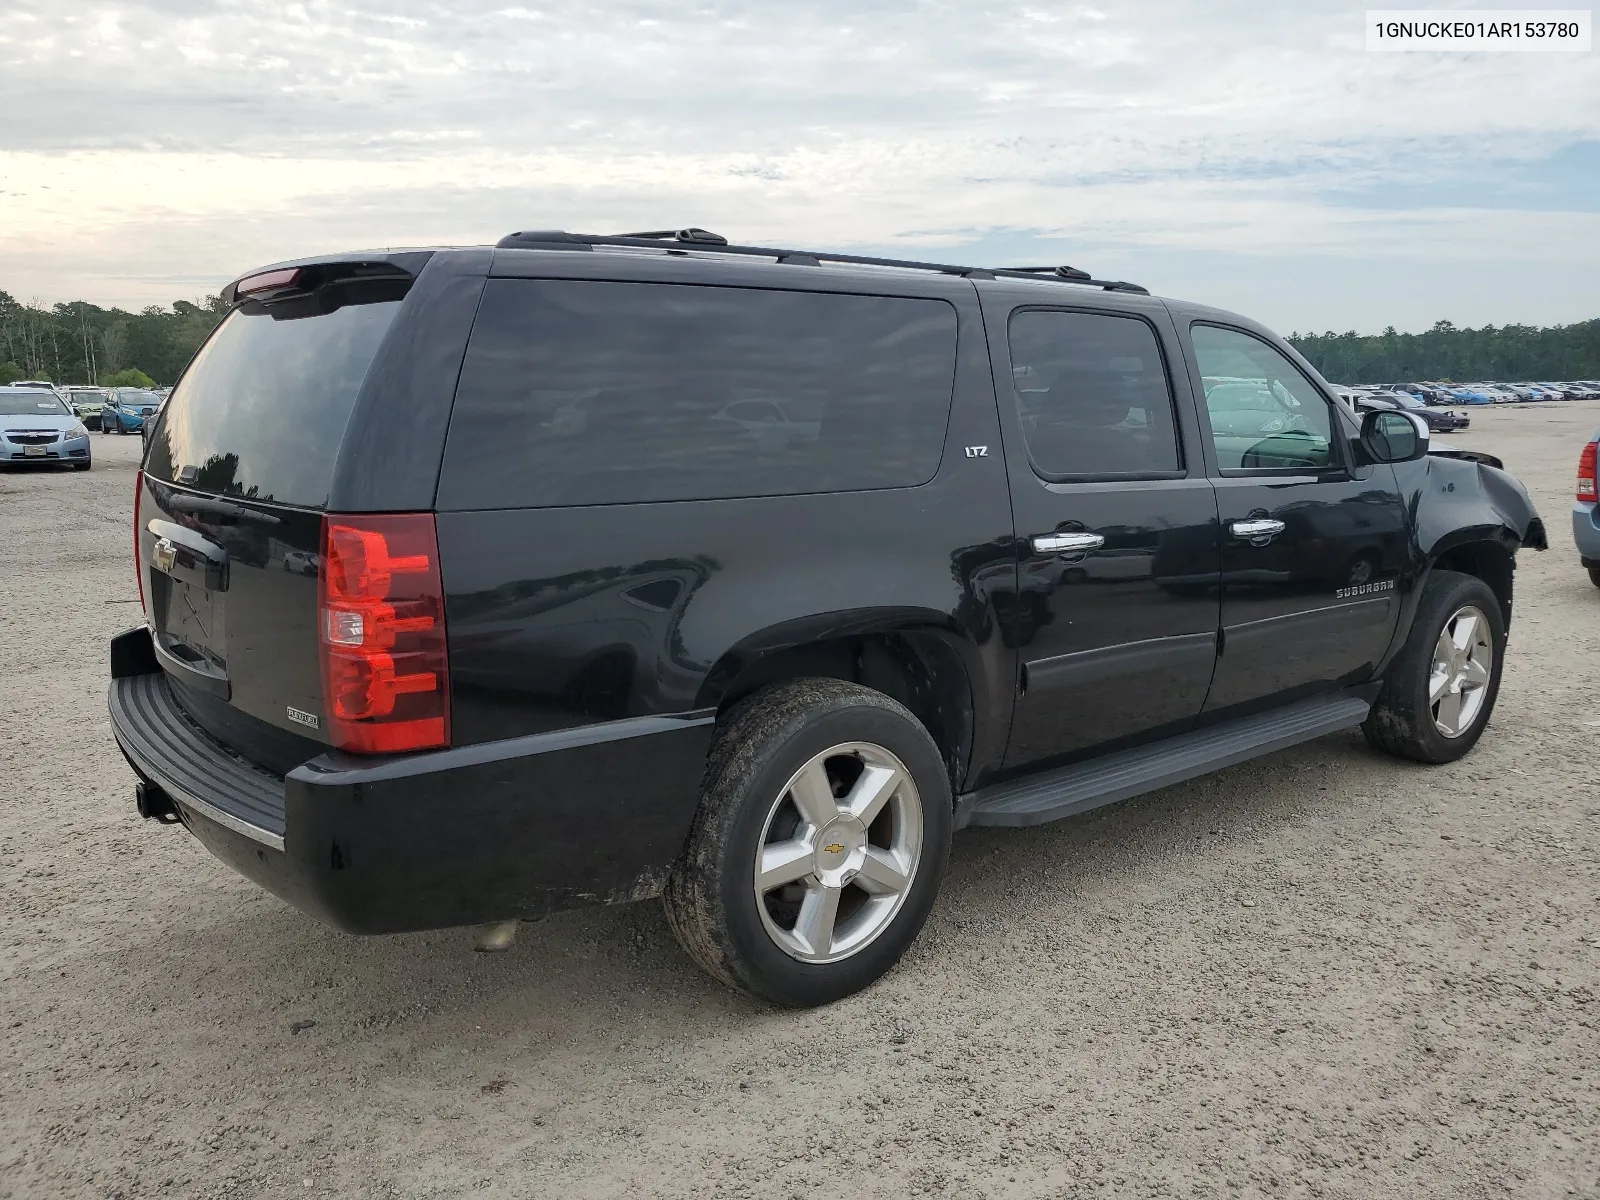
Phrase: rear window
[262,409]
[604,393]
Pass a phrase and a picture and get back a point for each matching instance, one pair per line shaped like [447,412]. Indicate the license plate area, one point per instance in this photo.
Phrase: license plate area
[33,451]
[188,622]
[188,605]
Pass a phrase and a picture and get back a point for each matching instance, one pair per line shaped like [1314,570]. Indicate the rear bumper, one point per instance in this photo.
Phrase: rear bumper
[1586,532]
[516,828]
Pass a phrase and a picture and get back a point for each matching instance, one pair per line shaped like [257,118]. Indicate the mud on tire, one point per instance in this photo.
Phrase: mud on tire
[711,899]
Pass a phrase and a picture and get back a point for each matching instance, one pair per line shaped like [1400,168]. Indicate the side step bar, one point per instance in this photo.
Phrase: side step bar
[1081,786]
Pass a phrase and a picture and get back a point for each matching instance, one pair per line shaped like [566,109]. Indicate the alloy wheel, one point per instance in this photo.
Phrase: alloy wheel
[838,852]
[1463,663]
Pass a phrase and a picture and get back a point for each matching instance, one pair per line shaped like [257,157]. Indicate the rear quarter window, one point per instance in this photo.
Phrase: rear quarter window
[606,393]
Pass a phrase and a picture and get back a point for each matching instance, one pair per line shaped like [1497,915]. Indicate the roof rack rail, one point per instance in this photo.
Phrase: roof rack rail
[1060,272]
[703,239]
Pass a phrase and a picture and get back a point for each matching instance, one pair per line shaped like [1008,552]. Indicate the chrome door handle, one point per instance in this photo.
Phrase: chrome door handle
[1255,527]
[1067,543]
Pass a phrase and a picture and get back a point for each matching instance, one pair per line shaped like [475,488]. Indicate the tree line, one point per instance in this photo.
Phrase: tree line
[79,342]
[1509,353]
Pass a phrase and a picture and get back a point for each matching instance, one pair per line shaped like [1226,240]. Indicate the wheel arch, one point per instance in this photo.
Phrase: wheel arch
[916,661]
[1489,558]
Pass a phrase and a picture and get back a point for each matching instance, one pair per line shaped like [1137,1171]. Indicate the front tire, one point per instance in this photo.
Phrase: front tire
[1594,576]
[821,840]
[1439,691]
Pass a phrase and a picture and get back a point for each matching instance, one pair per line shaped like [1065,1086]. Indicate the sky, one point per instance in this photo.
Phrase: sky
[1252,156]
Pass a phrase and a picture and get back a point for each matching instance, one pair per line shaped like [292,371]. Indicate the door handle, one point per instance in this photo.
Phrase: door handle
[1068,543]
[1256,527]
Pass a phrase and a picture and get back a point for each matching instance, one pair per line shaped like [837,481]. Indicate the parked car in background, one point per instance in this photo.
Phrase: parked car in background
[1439,420]
[128,409]
[149,423]
[88,402]
[34,384]
[39,427]
[1585,517]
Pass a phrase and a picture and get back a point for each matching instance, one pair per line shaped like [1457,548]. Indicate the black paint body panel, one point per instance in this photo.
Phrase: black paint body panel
[389,459]
[262,625]
[517,828]
[565,616]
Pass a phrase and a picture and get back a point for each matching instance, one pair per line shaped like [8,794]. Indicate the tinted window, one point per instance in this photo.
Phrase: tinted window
[262,409]
[1265,415]
[597,393]
[1093,394]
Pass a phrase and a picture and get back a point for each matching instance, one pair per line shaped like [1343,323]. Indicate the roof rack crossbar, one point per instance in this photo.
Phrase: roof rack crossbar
[716,244]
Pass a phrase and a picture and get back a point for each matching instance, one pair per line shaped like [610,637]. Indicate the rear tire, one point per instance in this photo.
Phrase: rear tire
[1440,690]
[1594,576]
[789,770]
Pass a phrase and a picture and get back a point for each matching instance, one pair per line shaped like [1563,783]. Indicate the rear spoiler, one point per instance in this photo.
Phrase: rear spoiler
[307,275]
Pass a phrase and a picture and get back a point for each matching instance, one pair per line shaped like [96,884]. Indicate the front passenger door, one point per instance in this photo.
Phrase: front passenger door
[1312,545]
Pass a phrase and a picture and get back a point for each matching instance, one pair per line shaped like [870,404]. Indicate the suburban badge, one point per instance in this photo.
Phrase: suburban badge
[309,720]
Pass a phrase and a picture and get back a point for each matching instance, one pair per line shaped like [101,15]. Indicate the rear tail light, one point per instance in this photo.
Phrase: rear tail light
[385,668]
[138,567]
[1586,471]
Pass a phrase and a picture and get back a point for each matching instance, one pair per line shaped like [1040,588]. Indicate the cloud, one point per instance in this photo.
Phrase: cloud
[144,146]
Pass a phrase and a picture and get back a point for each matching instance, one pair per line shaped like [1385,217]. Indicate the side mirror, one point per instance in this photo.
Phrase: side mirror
[1389,436]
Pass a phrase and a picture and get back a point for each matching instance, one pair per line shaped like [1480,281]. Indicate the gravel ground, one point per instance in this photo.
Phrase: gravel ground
[1325,973]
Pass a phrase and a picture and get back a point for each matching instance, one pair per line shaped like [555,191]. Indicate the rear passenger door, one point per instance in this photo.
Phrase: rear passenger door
[1116,526]
[1311,543]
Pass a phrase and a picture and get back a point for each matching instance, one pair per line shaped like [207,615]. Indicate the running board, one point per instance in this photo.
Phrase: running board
[1081,786]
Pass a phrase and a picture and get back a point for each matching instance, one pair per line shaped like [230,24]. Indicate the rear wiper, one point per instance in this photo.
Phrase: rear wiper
[211,506]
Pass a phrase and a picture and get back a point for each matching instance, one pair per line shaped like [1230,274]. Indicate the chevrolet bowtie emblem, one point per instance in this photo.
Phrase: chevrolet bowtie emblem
[835,848]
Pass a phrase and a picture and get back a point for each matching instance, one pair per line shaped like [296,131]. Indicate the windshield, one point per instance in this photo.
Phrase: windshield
[1407,400]
[135,396]
[33,404]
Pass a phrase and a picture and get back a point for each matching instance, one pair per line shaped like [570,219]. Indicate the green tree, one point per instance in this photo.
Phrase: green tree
[128,377]
[1446,353]
[79,342]
[10,372]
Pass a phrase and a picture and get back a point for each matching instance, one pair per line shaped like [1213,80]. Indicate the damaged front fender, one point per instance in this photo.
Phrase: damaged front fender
[1461,496]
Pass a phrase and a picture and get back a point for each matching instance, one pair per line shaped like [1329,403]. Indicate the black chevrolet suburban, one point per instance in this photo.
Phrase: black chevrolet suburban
[482,583]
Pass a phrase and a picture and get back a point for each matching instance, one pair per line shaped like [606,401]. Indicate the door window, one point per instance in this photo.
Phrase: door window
[1093,394]
[1265,414]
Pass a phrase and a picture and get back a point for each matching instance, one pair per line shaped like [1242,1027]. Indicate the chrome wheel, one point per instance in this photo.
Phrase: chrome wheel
[1463,661]
[839,852]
